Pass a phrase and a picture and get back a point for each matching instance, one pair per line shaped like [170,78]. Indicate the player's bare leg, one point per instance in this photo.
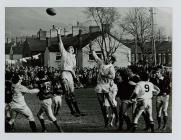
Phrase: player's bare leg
[9,126]
[145,116]
[150,118]
[123,116]
[41,119]
[165,113]
[135,122]
[113,107]
[100,97]
[159,113]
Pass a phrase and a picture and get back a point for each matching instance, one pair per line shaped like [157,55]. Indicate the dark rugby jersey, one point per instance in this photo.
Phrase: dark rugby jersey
[45,87]
[57,88]
[135,79]
[125,90]
[163,85]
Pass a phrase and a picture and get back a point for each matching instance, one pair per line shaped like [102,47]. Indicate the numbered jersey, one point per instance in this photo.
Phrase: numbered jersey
[45,87]
[144,90]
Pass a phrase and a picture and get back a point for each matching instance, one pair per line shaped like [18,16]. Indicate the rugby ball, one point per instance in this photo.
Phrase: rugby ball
[51,11]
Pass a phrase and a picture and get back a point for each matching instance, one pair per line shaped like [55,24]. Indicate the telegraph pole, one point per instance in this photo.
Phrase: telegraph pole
[153,36]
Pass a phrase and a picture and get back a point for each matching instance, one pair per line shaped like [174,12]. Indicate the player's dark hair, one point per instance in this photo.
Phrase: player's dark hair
[123,73]
[15,78]
[144,76]
[113,59]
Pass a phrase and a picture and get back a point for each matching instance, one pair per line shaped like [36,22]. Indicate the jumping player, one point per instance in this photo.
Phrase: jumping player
[45,95]
[18,104]
[143,93]
[106,76]
[68,64]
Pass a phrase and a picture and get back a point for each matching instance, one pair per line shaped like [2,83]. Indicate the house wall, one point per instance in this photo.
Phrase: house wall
[52,60]
[17,56]
[7,56]
[46,57]
[122,54]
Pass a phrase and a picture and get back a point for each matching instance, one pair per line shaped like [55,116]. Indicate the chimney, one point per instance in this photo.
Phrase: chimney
[106,28]
[48,42]
[93,29]
[42,34]
[75,30]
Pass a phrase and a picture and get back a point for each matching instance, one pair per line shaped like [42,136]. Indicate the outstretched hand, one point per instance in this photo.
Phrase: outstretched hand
[58,29]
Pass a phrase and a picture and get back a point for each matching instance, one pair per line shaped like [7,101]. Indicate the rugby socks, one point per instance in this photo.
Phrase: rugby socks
[76,107]
[8,127]
[69,103]
[57,126]
[116,114]
[128,122]
[165,118]
[103,108]
[159,122]
[42,122]
[152,127]
[32,126]
[120,122]
[134,127]
[145,116]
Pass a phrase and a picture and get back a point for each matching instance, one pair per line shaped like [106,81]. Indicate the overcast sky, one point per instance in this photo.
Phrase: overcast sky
[27,21]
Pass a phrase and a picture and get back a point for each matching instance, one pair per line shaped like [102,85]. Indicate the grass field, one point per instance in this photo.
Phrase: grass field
[92,122]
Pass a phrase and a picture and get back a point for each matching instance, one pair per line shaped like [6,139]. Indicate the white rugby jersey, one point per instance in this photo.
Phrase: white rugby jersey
[18,94]
[68,60]
[144,90]
[104,70]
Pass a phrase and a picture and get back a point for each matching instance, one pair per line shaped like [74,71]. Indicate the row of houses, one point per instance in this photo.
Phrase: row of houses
[50,56]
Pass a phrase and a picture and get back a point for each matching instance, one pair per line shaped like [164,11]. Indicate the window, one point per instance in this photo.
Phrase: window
[99,54]
[58,57]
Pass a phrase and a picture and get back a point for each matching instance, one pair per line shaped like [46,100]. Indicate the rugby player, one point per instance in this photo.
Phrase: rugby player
[143,94]
[105,77]
[45,95]
[18,104]
[68,64]
[162,101]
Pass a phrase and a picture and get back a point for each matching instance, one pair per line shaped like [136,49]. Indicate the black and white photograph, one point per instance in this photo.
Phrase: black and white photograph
[88,69]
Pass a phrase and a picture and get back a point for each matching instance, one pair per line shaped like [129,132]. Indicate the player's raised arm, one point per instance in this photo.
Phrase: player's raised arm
[97,59]
[112,73]
[60,44]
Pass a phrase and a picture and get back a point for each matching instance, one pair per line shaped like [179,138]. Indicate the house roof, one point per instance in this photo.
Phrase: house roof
[17,49]
[73,41]
[164,46]
[36,44]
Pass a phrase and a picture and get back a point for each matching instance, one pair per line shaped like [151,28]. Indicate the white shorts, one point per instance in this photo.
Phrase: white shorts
[24,110]
[68,80]
[100,88]
[57,99]
[112,96]
[46,106]
[141,106]
[164,100]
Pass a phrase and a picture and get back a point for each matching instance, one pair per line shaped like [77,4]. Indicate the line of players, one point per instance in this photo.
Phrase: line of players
[132,90]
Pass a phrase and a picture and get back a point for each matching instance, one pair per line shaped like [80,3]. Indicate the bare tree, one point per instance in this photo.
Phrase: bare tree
[104,17]
[137,24]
